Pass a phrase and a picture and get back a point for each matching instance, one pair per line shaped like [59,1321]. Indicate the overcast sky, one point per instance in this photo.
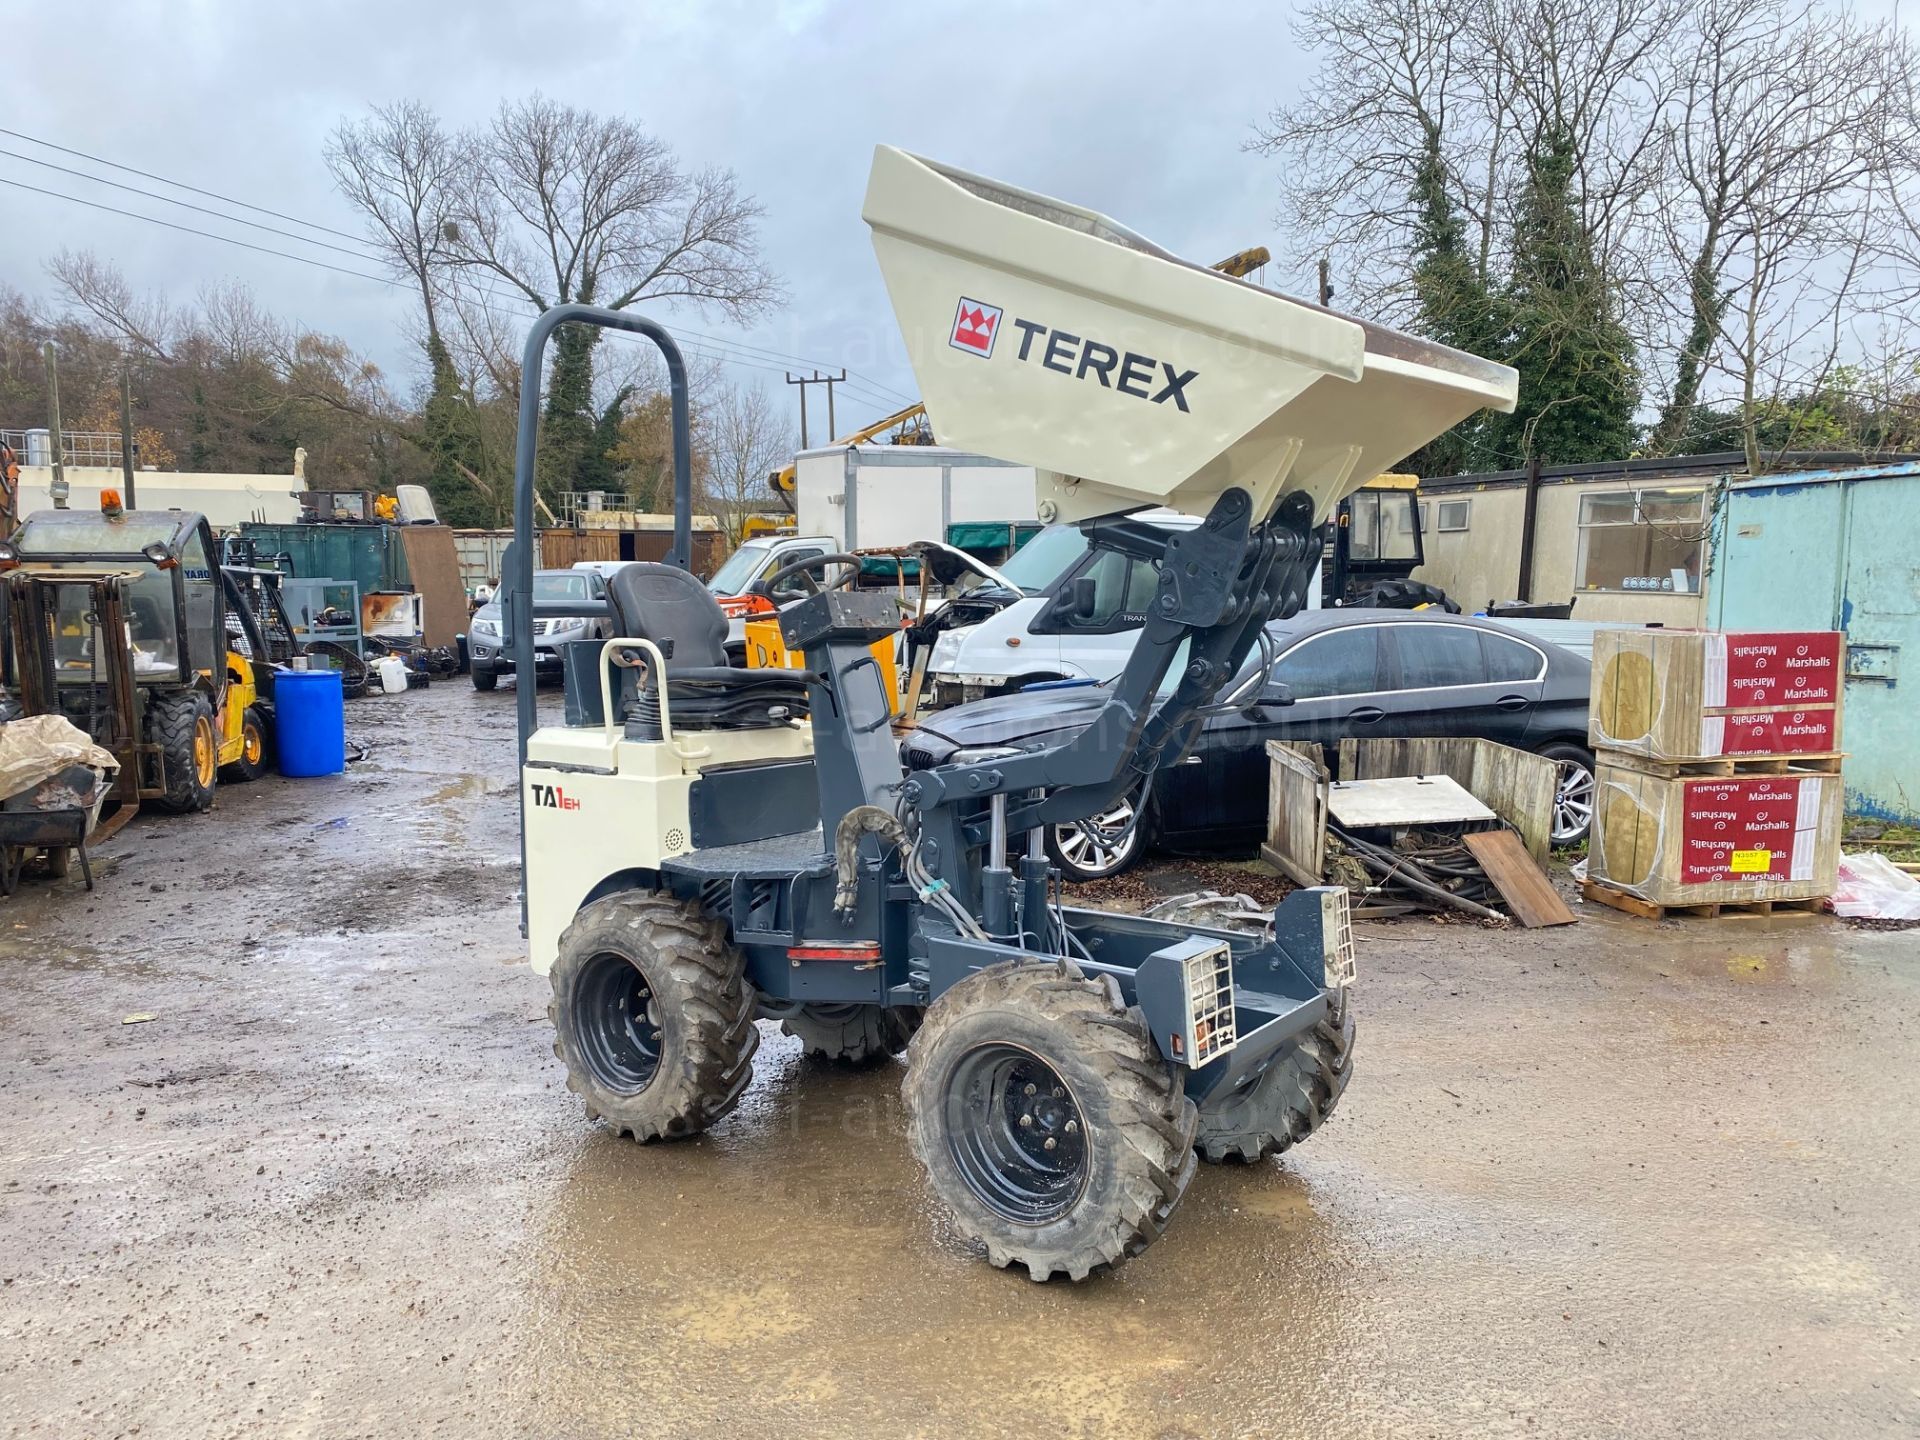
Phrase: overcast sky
[1139,110]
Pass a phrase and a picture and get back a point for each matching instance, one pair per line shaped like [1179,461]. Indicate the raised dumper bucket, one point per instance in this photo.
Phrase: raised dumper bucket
[1051,336]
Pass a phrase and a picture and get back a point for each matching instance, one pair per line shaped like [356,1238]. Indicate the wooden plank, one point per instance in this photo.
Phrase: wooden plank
[1521,882]
[1296,814]
[1620,900]
[433,568]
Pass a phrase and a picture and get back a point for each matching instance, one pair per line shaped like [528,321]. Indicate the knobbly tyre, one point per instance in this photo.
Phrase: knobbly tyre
[706,846]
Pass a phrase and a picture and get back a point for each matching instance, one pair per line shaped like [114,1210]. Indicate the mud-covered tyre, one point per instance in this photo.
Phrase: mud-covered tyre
[652,1015]
[1047,1122]
[853,1034]
[181,724]
[1288,1103]
[484,677]
[252,763]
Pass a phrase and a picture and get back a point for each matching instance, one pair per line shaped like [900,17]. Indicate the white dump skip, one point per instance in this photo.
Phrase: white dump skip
[1049,335]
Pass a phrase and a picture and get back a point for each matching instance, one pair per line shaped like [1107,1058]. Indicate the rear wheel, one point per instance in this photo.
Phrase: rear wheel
[1288,1103]
[652,1015]
[853,1034]
[1100,845]
[1574,792]
[181,724]
[252,763]
[1046,1120]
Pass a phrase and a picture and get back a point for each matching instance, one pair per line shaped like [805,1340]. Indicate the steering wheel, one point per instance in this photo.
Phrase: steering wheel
[764,587]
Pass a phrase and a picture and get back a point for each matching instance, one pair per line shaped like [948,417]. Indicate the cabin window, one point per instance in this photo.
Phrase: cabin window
[1643,540]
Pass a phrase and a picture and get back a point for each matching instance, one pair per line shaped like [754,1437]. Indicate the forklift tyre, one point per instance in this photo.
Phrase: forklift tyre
[652,1015]
[484,677]
[1289,1102]
[252,763]
[1046,1120]
[853,1034]
[181,724]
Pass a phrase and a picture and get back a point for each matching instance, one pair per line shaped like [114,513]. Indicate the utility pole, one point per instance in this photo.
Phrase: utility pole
[816,379]
[1326,283]
[126,436]
[58,489]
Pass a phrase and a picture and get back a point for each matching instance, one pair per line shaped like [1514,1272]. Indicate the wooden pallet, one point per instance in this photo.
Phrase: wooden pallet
[1722,766]
[1628,904]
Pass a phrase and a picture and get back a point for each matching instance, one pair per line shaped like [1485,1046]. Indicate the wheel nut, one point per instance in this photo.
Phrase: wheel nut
[1051,1143]
[1026,1121]
[1032,1090]
[1058,1093]
[1073,1127]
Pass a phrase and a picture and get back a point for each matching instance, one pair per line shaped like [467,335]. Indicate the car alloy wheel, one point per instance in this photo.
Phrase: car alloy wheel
[1100,845]
[1573,797]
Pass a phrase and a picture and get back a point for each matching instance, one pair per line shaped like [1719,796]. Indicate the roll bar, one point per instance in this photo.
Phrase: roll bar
[517,607]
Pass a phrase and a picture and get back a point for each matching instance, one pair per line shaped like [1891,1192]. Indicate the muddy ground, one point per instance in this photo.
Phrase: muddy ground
[1617,1179]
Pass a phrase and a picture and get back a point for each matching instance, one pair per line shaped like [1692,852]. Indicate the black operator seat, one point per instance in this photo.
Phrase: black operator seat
[670,607]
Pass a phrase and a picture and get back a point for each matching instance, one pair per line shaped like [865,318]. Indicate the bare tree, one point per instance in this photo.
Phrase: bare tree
[561,204]
[146,324]
[745,442]
[1776,153]
[400,170]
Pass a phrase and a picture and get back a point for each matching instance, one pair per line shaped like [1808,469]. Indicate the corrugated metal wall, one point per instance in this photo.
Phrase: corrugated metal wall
[1839,551]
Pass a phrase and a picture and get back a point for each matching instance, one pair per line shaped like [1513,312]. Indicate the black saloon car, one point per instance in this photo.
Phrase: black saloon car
[1336,673]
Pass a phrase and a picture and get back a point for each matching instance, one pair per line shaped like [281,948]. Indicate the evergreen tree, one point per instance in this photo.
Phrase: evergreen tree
[1579,384]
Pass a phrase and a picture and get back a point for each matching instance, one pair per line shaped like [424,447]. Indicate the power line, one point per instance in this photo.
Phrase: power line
[358,254]
[204,234]
[862,387]
[176,184]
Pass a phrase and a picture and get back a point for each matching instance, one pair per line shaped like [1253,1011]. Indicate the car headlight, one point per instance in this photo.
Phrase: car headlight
[487,628]
[978,753]
[946,649]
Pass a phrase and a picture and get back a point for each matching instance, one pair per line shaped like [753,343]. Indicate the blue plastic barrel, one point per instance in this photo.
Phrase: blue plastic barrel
[310,722]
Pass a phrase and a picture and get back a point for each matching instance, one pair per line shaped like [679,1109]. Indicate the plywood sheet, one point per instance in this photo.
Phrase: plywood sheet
[1405,800]
[1521,883]
[433,569]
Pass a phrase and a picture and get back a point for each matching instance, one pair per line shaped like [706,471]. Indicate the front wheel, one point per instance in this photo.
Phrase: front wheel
[1047,1122]
[1574,793]
[1101,845]
[181,725]
[484,677]
[652,1015]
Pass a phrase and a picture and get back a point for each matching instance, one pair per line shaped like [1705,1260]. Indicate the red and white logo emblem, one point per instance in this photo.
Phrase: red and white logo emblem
[975,328]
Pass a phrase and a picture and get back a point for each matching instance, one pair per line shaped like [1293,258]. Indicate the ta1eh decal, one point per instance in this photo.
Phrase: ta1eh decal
[553,797]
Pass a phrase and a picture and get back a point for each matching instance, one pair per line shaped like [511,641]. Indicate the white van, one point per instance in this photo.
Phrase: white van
[1077,617]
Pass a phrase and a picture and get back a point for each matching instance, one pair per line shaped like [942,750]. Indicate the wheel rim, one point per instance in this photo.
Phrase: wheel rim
[1572,802]
[250,744]
[1100,844]
[617,1023]
[203,750]
[1016,1134]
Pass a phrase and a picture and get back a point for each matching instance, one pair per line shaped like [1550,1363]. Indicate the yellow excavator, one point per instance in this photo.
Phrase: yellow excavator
[912,421]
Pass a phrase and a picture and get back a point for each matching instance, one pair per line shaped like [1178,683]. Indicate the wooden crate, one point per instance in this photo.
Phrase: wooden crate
[1706,694]
[1515,785]
[1679,839]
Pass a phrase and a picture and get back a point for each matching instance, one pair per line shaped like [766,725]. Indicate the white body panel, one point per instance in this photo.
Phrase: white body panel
[878,496]
[1049,334]
[598,804]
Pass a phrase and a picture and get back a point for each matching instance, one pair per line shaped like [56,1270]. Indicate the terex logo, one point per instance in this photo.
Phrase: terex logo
[552,797]
[976,327]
